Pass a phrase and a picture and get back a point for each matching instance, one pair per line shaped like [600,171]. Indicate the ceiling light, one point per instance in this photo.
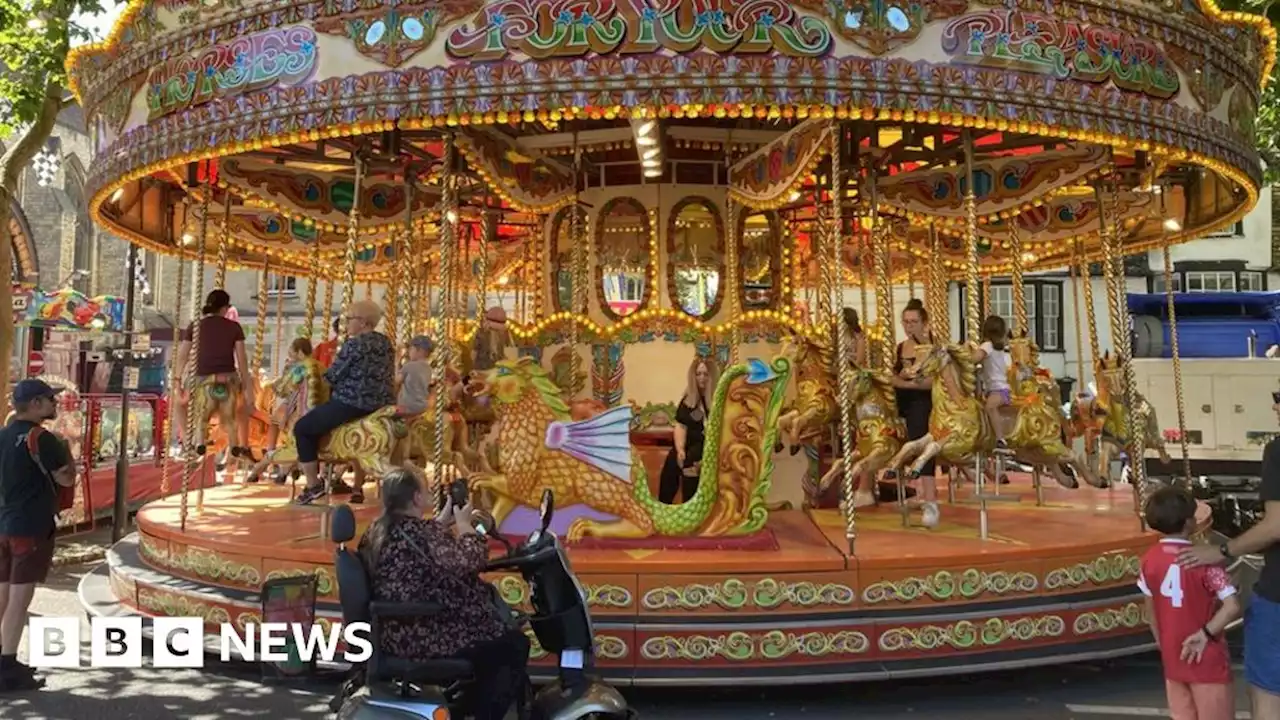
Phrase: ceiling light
[646,127]
[188,239]
[795,195]
[645,140]
[1172,225]
[653,162]
[653,172]
[650,153]
[115,196]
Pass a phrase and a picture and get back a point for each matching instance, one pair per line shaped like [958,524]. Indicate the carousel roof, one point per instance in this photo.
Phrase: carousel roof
[263,109]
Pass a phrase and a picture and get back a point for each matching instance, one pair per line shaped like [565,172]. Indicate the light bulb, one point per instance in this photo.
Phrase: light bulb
[1172,225]
[651,152]
[646,127]
[646,141]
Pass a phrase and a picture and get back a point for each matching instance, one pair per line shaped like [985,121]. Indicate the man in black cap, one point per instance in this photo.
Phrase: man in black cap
[32,461]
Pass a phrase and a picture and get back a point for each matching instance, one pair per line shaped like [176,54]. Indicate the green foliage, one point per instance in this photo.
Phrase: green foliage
[1267,126]
[35,37]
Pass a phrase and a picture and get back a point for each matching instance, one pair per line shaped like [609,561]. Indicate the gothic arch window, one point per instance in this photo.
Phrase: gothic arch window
[82,256]
[25,267]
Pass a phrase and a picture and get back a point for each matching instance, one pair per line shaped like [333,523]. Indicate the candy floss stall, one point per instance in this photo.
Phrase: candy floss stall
[61,337]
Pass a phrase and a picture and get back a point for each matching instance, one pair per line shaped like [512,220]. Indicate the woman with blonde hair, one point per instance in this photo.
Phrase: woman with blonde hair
[362,380]
[684,462]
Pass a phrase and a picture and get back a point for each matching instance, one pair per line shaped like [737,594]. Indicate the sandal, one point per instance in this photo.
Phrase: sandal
[310,495]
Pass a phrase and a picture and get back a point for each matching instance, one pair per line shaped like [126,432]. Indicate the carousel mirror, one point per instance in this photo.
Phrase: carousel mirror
[761,243]
[622,262]
[562,256]
[695,245]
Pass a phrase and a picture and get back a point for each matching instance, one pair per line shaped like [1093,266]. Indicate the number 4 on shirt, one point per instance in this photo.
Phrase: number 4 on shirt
[1171,586]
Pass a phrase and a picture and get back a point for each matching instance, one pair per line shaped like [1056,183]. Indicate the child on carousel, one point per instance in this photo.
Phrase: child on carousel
[298,389]
[417,389]
[993,353]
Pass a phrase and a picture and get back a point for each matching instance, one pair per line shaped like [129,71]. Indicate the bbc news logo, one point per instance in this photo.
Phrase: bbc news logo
[179,642]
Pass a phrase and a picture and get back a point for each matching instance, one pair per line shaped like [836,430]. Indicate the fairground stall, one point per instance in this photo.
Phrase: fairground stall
[63,337]
[602,192]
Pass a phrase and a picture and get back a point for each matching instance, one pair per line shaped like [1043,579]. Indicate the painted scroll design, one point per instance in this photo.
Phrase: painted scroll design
[576,28]
[1064,49]
[393,35]
[255,62]
[883,26]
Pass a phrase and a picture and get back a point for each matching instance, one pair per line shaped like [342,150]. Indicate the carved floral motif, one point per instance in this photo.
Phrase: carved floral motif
[965,635]
[945,585]
[743,646]
[1129,616]
[1106,570]
[394,34]
[882,26]
[733,594]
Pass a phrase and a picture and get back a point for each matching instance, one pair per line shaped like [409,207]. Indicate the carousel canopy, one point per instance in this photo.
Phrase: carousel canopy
[260,113]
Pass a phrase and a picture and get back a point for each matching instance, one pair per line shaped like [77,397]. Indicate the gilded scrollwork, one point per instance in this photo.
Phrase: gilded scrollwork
[1130,615]
[612,596]
[945,585]
[325,584]
[159,602]
[965,634]
[1106,570]
[607,647]
[734,594]
[730,595]
[201,563]
[742,646]
[769,593]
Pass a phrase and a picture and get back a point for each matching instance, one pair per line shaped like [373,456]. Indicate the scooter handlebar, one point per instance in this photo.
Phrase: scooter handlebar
[518,561]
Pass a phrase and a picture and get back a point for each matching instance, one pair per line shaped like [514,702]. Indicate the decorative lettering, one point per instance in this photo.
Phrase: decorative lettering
[575,28]
[1062,48]
[253,62]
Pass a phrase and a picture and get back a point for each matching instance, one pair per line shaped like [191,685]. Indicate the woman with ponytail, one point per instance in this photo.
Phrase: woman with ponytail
[413,560]
[915,395]
[220,358]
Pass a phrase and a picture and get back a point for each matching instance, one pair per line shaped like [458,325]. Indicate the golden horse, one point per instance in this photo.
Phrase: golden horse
[301,387]
[1104,419]
[815,406]
[959,428]
[1037,434]
[219,396]
[879,434]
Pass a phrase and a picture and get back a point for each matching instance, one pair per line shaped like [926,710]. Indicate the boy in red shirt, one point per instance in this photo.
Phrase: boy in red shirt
[1189,609]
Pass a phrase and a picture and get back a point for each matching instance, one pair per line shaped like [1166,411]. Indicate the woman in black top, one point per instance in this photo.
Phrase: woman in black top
[684,462]
[915,399]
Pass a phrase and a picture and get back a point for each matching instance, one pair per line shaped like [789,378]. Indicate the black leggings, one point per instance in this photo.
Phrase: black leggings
[500,672]
[323,419]
[915,411]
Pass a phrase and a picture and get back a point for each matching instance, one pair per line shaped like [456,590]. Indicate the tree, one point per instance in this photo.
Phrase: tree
[35,39]
[1267,124]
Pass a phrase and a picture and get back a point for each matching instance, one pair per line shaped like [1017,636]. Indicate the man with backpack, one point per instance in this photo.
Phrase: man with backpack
[37,476]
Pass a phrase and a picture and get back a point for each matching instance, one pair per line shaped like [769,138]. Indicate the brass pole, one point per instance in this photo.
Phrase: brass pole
[441,356]
[843,371]
[972,311]
[1173,346]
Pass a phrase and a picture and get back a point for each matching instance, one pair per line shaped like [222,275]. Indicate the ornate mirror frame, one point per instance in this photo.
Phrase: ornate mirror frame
[600,254]
[561,221]
[775,257]
[719,250]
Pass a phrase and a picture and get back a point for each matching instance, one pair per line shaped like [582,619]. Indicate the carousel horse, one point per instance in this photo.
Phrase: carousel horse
[1036,436]
[219,396]
[591,464]
[814,408]
[959,428]
[299,389]
[878,436]
[1103,419]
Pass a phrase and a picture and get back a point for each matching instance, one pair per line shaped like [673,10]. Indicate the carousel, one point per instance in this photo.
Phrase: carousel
[583,203]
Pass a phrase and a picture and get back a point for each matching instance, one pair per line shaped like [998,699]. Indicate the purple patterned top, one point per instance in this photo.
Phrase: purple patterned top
[422,561]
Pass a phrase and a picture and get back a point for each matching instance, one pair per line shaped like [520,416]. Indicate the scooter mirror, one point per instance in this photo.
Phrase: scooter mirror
[548,508]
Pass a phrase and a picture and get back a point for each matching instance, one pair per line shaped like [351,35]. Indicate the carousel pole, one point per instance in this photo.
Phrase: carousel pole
[193,405]
[280,354]
[488,232]
[1020,325]
[733,280]
[1086,283]
[448,241]
[312,282]
[538,274]
[224,241]
[349,260]
[1120,341]
[1173,346]
[260,332]
[328,303]
[579,285]
[972,310]
[1075,302]
[845,343]
[941,312]
[175,378]
[880,253]
[392,310]
[825,242]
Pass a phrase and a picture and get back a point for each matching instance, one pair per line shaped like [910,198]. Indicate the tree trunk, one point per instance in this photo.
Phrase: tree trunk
[14,161]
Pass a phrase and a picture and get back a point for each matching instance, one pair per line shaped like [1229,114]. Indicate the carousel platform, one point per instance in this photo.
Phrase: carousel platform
[1051,584]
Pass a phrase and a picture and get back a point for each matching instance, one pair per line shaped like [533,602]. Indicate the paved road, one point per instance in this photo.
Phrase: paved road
[1105,691]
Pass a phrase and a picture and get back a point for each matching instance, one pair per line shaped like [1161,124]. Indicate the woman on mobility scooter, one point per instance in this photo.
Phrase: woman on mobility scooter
[412,560]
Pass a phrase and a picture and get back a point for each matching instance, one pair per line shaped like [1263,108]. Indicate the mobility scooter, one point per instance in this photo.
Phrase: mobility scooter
[390,688]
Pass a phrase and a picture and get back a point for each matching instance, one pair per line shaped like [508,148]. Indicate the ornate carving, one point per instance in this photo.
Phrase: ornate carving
[944,585]
[200,563]
[744,646]
[1129,616]
[325,584]
[1062,48]
[732,594]
[622,234]
[1106,570]
[685,257]
[244,65]
[169,604]
[882,26]
[394,35]
[569,28]
[965,635]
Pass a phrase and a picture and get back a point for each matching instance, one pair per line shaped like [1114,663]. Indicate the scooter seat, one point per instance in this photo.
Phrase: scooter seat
[429,672]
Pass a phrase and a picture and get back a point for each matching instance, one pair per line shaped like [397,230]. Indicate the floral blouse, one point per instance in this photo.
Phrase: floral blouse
[422,561]
[363,374]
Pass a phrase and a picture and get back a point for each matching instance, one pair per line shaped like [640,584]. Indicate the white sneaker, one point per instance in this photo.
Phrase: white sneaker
[929,517]
[863,498]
